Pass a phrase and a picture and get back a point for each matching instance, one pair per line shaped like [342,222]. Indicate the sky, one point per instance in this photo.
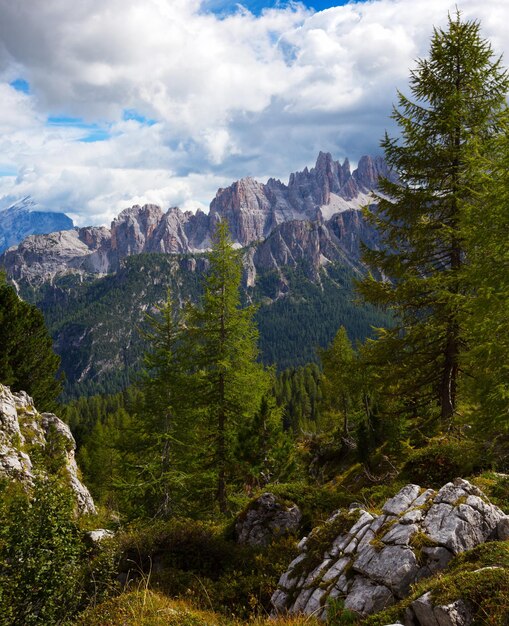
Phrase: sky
[109,103]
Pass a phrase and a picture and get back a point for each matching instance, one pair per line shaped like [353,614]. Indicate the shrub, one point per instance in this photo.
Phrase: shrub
[441,461]
[185,558]
[41,571]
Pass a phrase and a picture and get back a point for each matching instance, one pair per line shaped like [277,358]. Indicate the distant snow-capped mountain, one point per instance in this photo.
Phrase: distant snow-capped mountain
[26,218]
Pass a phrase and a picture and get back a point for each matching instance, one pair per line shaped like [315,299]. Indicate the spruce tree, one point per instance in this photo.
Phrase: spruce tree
[27,360]
[228,382]
[458,101]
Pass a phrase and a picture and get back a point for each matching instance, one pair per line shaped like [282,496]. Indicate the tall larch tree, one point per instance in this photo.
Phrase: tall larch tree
[458,102]
[156,450]
[486,232]
[229,383]
[339,382]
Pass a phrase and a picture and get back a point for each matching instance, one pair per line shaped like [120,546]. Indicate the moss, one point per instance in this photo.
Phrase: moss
[322,537]
[460,500]
[381,532]
[496,488]
[441,461]
[419,541]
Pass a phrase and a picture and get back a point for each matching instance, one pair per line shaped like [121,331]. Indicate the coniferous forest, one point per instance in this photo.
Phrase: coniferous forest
[182,457]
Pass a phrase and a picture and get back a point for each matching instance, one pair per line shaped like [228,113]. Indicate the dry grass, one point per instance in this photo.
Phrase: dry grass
[148,608]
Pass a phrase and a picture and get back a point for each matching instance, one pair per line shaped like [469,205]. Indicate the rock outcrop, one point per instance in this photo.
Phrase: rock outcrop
[265,519]
[26,218]
[24,431]
[327,196]
[369,561]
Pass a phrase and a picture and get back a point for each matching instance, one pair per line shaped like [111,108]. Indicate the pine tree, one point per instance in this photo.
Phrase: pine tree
[27,360]
[228,382]
[339,382]
[459,98]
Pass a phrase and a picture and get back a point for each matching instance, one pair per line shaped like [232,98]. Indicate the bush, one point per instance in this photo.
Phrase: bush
[41,575]
[186,558]
[441,461]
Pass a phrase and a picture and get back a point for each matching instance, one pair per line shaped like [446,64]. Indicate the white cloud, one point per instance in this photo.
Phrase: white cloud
[234,96]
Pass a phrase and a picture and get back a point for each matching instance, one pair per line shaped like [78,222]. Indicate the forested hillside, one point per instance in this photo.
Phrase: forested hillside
[103,319]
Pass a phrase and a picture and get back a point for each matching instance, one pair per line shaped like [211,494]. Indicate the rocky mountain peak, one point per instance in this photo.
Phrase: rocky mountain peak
[369,171]
[252,209]
[133,227]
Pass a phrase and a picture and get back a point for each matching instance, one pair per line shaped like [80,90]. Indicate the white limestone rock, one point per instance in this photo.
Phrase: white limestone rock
[22,427]
[372,563]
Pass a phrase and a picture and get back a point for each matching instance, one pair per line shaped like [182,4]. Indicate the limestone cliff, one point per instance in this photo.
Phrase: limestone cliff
[27,435]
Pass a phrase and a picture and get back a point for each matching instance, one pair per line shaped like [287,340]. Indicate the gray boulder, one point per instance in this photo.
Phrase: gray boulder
[372,560]
[265,519]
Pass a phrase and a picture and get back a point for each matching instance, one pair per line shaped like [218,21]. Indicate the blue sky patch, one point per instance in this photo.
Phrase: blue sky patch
[20,84]
[132,114]
[6,170]
[95,131]
[227,7]
[97,134]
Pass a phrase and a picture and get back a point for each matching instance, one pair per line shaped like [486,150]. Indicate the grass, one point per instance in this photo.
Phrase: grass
[148,608]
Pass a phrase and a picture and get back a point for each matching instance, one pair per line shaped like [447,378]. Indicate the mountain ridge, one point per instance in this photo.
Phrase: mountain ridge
[253,210]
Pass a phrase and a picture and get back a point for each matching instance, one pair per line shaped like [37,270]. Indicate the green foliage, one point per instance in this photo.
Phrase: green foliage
[144,607]
[495,486]
[309,315]
[337,615]
[459,103]
[41,576]
[487,272]
[101,317]
[192,559]
[298,392]
[340,382]
[27,360]
[441,461]
[157,450]
[265,453]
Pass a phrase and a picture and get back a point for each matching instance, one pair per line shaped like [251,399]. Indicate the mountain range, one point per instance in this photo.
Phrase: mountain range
[300,249]
[326,198]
